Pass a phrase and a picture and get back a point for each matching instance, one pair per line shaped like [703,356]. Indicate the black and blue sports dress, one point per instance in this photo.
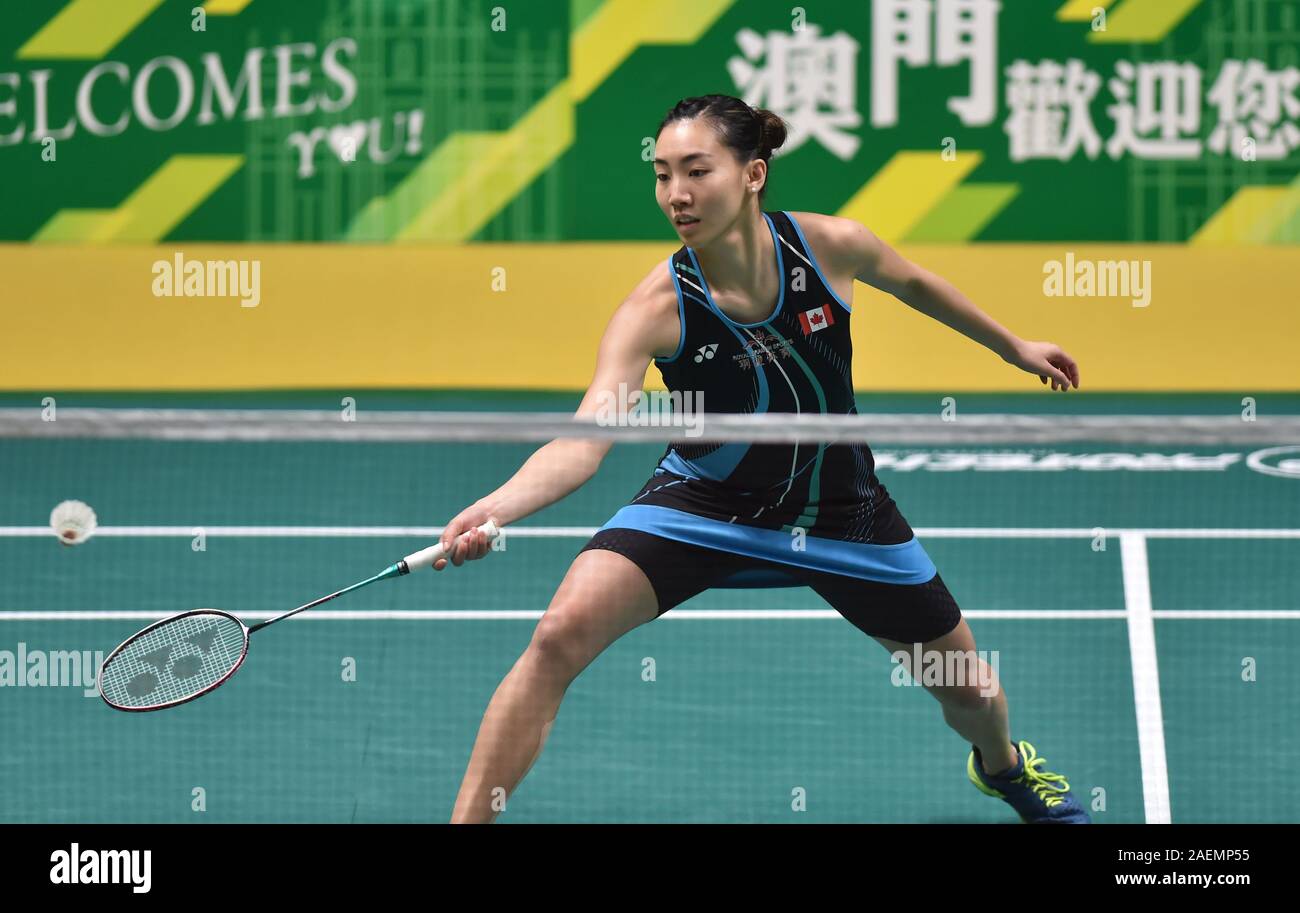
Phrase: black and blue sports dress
[761,515]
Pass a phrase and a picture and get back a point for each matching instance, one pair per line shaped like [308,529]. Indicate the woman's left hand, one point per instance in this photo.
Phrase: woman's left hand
[1048,361]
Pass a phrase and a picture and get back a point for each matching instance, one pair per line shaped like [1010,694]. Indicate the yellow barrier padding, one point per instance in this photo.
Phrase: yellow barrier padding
[358,316]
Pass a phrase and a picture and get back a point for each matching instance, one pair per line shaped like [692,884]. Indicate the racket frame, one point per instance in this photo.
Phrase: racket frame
[99,677]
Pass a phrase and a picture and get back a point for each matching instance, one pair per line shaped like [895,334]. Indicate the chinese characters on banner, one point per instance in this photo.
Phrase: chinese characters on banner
[1157,109]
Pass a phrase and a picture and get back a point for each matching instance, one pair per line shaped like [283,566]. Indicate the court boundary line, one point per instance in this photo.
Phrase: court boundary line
[542,532]
[1146,678]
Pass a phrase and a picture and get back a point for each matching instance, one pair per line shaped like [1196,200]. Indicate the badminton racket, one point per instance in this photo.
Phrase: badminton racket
[185,656]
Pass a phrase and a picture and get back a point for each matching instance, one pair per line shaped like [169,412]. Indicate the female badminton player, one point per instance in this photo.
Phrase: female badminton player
[752,313]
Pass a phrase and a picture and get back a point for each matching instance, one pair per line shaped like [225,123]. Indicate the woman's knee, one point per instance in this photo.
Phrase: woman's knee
[562,640]
[602,597]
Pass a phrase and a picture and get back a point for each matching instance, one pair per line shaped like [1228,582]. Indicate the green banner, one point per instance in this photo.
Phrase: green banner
[145,121]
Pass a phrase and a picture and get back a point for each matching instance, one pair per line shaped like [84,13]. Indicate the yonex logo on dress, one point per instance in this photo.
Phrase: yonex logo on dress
[706,352]
[78,866]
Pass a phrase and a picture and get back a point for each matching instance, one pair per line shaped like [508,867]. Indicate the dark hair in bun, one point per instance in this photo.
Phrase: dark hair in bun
[750,133]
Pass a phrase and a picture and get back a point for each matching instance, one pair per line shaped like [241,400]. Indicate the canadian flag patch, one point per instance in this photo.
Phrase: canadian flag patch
[816,319]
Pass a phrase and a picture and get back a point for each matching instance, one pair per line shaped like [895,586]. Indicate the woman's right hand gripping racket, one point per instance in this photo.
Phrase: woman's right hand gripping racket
[464,538]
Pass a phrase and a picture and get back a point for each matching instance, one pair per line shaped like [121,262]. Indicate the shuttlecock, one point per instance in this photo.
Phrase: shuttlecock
[73,522]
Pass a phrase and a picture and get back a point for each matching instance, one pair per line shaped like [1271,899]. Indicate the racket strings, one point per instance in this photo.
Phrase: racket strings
[174,661]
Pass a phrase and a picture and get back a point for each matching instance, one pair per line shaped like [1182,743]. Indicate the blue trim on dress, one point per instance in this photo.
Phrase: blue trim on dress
[681,317]
[675,463]
[903,563]
[807,249]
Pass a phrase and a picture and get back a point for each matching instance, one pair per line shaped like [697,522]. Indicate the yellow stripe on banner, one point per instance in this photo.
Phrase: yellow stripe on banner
[1081,10]
[1286,230]
[1143,21]
[225,7]
[80,226]
[156,207]
[489,183]
[87,29]
[1248,217]
[899,195]
[172,193]
[383,217]
[610,35]
[962,214]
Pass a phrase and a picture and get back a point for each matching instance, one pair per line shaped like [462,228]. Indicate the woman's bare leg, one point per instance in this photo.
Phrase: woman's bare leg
[602,597]
[977,716]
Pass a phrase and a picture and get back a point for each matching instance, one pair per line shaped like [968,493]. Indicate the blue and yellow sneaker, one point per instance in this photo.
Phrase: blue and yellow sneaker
[1037,795]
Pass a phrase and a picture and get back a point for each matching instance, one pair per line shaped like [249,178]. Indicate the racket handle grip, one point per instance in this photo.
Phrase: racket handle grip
[427,556]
